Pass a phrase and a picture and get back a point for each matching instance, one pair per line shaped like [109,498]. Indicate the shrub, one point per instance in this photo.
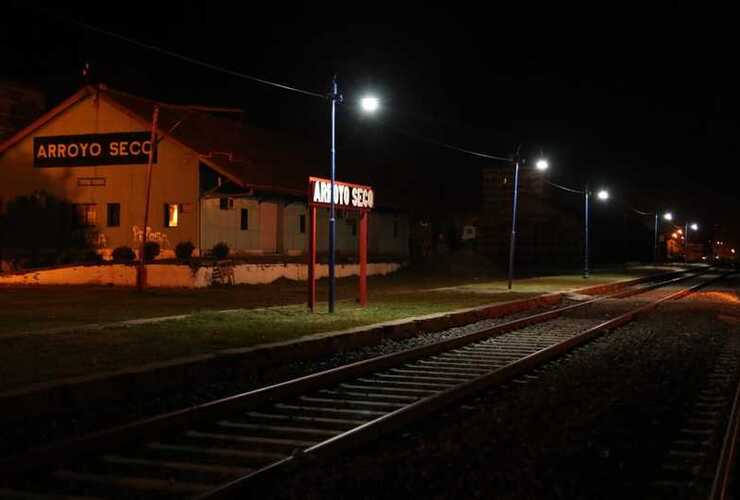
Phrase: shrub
[184,250]
[123,254]
[92,257]
[151,250]
[220,251]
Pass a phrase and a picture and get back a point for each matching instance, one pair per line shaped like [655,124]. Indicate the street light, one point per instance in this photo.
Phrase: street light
[694,227]
[666,216]
[369,104]
[602,195]
[540,165]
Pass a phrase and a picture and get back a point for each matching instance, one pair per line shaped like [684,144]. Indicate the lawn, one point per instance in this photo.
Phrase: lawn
[38,357]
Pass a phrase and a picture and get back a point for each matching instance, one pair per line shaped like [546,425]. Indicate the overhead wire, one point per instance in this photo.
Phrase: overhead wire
[239,74]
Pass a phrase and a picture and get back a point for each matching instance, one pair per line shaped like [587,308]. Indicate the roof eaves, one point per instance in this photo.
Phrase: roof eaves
[81,94]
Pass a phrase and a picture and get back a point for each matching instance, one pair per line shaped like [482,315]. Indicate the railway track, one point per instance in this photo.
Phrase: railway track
[700,458]
[224,449]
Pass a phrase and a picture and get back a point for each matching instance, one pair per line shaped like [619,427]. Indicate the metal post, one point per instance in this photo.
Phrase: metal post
[363,257]
[686,242]
[141,281]
[585,240]
[655,244]
[512,242]
[332,208]
[311,257]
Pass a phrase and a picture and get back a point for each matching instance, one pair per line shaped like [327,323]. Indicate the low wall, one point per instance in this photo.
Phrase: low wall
[182,276]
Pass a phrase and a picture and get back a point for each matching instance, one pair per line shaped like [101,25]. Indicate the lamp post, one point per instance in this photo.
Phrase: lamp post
[601,195]
[666,216]
[369,104]
[694,227]
[540,165]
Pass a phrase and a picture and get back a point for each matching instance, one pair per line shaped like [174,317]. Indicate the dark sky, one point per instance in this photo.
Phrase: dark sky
[642,99]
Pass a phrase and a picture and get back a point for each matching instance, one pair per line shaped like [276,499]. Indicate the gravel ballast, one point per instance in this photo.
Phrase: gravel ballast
[595,424]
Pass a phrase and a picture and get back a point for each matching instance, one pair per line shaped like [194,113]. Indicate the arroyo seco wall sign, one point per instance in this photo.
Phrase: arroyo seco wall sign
[120,148]
[346,195]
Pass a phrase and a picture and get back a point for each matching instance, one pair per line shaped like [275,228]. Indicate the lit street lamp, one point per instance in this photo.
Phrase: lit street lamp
[540,165]
[602,195]
[666,216]
[368,104]
[694,227]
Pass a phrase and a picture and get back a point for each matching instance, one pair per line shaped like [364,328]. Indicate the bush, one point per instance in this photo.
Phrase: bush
[92,257]
[220,251]
[184,250]
[123,254]
[151,250]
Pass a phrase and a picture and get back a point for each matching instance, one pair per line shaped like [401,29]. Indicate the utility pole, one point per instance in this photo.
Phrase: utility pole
[586,236]
[334,96]
[141,281]
[655,244]
[512,241]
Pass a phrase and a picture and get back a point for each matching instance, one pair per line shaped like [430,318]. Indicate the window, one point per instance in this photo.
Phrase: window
[225,203]
[171,215]
[245,219]
[302,223]
[114,214]
[86,214]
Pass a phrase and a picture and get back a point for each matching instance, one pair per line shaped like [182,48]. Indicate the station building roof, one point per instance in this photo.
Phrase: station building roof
[251,157]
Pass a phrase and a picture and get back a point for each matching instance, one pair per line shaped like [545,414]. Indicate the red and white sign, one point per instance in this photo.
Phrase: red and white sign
[346,195]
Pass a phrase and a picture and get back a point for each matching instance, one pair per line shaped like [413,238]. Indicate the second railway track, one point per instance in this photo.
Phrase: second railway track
[225,448]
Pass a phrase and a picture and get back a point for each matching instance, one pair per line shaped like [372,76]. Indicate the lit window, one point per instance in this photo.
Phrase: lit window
[86,214]
[171,214]
[245,219]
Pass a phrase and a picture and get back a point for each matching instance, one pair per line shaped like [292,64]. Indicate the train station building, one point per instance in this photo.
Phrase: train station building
[214,179]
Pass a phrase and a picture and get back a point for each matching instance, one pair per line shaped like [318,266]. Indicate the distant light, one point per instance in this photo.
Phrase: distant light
[680,231]
[542,164]
[674,235]
[370,104]
[704,257]
[668,216]
[732,250]
[603,195]
[694,226]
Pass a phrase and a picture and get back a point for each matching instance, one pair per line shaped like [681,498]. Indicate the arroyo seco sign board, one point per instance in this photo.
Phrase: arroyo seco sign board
[120,148]
[346,195]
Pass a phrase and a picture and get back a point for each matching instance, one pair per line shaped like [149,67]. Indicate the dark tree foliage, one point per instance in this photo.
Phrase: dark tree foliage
[123,254]
[40,229]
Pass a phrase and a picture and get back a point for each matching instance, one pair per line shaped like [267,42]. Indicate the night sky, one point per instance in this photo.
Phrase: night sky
[643,100]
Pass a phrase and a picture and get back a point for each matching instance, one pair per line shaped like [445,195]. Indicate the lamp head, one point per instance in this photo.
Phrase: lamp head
[541,164]
[603,195]
[369,104]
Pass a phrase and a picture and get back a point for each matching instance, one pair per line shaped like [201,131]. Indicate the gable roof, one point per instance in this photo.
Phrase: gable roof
[249,156]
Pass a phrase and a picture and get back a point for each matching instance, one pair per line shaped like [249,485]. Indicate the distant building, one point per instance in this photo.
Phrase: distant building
[547,233]
[214,179]
[19,106]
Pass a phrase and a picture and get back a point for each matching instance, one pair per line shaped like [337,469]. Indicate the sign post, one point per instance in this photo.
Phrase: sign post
[346,196]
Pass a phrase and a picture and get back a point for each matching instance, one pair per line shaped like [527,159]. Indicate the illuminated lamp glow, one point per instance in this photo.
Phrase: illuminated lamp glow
[542,164]
[668,216]
[370,104]
[694,226]
[603,195]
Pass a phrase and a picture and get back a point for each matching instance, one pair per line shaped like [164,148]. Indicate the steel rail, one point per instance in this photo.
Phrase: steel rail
[449,388]
[722,476]
[432,403]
